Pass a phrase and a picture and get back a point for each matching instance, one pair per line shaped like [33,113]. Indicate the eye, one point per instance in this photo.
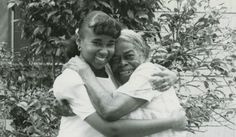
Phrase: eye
[97,44]
[111,44]
[130,56]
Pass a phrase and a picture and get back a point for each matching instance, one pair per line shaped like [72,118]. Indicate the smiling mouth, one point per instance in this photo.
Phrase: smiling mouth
[126,72]
[101,60]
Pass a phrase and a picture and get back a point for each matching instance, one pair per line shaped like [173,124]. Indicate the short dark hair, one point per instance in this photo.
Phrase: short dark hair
[101,24]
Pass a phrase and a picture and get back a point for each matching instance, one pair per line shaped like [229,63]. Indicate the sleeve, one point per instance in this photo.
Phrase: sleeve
[70,86]
[139,85]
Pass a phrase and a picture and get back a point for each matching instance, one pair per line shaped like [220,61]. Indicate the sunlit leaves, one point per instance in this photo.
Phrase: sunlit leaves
[130,14]
[50,14]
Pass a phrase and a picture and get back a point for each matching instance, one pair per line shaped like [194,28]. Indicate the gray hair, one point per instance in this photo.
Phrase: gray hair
[136,39]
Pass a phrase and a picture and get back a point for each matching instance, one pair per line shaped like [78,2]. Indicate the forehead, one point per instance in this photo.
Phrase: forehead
[124,47]
[90,35]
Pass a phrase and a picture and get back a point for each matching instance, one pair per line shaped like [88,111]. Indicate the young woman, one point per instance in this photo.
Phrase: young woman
[97,36]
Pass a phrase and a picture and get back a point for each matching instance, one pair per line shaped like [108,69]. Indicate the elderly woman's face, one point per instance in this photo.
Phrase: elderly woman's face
[125,61]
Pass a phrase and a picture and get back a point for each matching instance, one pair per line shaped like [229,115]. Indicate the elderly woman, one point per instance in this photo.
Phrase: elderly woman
[135,98]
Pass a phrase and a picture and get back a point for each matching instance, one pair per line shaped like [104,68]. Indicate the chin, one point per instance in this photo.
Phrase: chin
[123,80]
[98,66]
[101,67]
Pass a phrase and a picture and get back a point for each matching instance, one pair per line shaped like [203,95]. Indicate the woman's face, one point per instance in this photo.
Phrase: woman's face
[125,61]
[97,50]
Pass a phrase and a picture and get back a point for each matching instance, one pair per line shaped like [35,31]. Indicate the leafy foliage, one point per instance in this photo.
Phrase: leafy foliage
[48,22]
[195,46]
[26,99]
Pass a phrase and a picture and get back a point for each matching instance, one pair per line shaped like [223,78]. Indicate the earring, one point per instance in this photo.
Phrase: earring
[79,48]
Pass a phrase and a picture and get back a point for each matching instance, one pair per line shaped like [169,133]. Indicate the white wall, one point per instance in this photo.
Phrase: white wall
[229,17]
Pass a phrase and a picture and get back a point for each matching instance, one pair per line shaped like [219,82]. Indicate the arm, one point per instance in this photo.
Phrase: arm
[111,106]
[135,128]
[114,106]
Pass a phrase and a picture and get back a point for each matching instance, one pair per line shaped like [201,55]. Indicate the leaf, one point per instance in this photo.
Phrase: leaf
[51,14]
[202,19]
[232,95]
[35,43]
[68,11]
[233,56]
[130,14]
[2,97]
[56,19]
[169,16]
[49,30]
[44,107]
[176,10]
[33,4]
[105,4]
[193,2]
[45,1]
[38,30]
[38,50]
[123,1]
[33,102]
[23,105]
[142,15]
[58,52]
[49,51]
[11,5]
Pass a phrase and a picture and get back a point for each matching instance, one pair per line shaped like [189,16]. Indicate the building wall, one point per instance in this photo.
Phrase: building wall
[4,25]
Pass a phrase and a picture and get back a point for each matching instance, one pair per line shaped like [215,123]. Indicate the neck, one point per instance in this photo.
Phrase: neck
[99,72]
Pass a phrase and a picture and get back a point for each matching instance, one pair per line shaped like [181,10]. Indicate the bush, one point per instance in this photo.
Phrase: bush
[202,53]
[26,98]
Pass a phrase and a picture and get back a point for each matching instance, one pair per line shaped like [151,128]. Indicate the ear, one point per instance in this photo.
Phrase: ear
[78,39]
[78,42]
[142,57]
[78,47]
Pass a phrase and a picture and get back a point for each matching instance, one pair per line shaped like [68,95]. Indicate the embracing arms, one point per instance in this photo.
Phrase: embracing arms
[114,105]
[111,106]
[67,87]
[135,128]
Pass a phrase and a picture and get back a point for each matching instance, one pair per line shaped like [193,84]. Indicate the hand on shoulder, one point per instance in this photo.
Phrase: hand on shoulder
[77,64]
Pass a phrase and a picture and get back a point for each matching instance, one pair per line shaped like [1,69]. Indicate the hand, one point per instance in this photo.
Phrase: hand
[160,83]
[180,120]
[170,75]
[62,108]
[163,80]
[77,64]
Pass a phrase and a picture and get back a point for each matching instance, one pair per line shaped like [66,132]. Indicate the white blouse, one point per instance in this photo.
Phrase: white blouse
[69,85]
[159,105]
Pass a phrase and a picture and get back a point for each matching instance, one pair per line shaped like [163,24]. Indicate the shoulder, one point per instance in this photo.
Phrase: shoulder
[146,69]
[146,65]
[68,79]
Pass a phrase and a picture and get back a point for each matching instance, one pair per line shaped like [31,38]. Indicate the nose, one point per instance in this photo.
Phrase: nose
[103,52]
[123,62]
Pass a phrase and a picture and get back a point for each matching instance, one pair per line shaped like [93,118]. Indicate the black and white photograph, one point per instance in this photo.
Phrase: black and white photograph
[117,68]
